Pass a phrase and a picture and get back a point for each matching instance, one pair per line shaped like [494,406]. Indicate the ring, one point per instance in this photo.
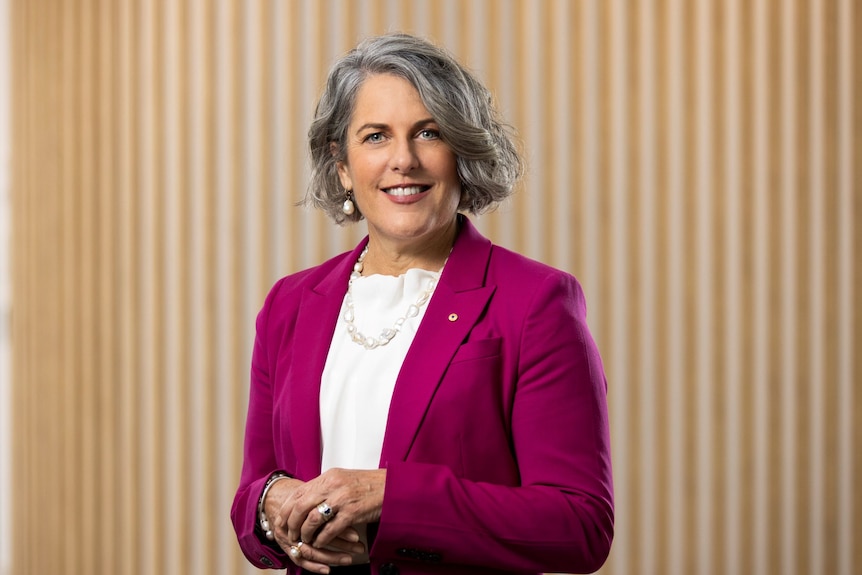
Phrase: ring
[295,550]
[325,510]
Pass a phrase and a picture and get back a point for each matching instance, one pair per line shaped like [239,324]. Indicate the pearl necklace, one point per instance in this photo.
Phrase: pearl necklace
[388,333]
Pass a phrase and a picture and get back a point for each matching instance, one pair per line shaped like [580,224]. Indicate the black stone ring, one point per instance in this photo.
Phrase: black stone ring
[325,510]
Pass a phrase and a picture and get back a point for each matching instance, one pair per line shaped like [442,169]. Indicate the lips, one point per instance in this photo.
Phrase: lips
[405,190]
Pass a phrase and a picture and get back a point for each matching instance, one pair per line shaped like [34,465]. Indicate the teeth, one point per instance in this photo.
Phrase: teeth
[405,191]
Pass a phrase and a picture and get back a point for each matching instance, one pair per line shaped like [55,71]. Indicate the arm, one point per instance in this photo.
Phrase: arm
[560,515]
[259,461]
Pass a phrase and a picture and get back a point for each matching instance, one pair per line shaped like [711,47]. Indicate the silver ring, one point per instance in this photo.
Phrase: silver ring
[325,510]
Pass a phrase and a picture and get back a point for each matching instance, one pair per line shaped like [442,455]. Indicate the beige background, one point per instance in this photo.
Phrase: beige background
[695,163]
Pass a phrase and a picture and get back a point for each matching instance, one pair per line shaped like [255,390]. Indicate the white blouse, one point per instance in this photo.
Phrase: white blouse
[357,383]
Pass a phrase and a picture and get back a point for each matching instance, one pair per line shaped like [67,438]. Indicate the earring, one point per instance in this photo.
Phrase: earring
[348,207]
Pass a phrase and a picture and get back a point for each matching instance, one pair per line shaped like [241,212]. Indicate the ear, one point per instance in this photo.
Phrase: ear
[344,176]
[343,170]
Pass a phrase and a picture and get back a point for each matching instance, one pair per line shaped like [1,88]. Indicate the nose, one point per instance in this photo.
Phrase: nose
[404,158]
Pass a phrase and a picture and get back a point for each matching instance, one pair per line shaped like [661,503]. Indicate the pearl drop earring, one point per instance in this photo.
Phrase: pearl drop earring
[348,207]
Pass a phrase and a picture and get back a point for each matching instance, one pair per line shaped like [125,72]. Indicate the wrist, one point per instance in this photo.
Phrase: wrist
[263,522]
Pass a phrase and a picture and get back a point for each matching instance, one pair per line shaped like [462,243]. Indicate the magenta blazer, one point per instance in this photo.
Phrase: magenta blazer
[497,447]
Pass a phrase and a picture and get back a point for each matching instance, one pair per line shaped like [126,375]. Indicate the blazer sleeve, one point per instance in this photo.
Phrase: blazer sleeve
[259,459]
[559,518]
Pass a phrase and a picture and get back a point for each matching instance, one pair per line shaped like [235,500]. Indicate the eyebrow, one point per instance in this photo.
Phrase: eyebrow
[381,126]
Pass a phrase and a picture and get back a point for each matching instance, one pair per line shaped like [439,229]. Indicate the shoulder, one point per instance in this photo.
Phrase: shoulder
[529,284]
[286,293]
[516,278]
[309,277]
[508,267]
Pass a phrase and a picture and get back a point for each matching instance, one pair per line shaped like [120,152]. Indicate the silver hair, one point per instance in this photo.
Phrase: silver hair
[488,161]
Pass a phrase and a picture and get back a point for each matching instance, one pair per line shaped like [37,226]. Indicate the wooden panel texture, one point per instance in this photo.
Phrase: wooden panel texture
[695,164]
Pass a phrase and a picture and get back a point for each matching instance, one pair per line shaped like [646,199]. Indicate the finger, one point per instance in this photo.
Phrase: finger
[301,555]
[329,533]
[316,559]
[348,536]
[345,545]
[298,514]
[316,519]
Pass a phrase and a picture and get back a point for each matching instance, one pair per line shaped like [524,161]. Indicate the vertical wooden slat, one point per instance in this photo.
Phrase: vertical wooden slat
[21,538]
[826,441]
[6,279]
[705,191]
[679,241]
[802,266]
[171,53]
[87,230]
[687,322]
[789,134]
[105,253]
[773,462]
[565,145]
[847,312]
[855,471]
[618,211]
[150,128]
[203,439]
[758,499]
[22,338]
[732,242]
[746,248]
[69,318]
[129,503]
[814,280]
[653,521]
[635,396]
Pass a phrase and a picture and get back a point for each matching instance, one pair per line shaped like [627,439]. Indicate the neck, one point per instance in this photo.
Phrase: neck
[395,258]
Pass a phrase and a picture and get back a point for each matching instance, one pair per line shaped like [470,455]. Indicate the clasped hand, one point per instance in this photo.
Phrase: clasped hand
[355,497]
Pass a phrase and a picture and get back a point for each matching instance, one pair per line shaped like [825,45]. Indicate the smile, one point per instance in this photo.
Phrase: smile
[406,190]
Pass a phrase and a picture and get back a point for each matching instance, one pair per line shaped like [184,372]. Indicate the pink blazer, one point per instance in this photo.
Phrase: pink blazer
[497,447]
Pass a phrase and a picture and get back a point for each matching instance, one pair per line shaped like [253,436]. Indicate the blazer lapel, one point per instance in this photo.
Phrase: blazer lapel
[315,325]
[452,312]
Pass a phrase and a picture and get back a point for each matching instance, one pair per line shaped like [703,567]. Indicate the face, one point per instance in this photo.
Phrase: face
[403,176]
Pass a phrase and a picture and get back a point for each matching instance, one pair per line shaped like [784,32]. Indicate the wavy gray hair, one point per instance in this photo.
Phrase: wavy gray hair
[488,161]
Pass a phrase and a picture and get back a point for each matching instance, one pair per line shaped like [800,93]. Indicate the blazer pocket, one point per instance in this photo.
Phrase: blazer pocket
[478,349]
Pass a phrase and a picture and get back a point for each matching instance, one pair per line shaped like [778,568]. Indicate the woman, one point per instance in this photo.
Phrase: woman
[427,402]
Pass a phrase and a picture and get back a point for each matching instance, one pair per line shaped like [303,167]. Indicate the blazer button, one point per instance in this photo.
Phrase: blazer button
[266,561]
[389,569]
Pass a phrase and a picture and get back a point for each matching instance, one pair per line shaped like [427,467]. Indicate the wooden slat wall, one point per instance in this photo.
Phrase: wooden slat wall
[695,163]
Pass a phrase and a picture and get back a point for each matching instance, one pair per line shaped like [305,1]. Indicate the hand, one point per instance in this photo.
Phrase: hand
[355,496]
[279,504]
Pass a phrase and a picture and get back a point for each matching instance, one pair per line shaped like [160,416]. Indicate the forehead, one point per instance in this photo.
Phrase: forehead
[385,97]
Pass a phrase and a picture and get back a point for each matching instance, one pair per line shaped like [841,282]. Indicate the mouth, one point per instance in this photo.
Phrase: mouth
[403,191]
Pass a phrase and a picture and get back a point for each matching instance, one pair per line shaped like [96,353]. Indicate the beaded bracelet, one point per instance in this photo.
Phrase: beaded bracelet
[264,523]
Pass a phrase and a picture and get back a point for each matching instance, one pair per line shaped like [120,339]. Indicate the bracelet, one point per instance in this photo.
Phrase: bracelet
[264,524]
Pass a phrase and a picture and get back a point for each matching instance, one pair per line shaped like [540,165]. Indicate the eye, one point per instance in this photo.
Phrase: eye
[429,134]
[374,137]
